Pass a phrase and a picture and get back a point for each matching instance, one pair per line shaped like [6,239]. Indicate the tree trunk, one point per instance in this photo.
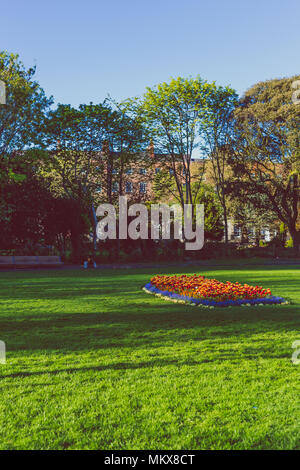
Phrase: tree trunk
[94,229]
[295,234]
[225,222]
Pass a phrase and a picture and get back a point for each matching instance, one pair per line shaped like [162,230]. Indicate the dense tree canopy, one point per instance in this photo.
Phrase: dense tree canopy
[57,164]
[173,113]
[266,151]
[22,117]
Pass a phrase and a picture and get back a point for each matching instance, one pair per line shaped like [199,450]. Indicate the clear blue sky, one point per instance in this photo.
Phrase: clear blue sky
[86,49]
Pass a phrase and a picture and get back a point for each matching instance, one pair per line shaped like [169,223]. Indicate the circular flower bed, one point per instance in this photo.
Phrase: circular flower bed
[198,290]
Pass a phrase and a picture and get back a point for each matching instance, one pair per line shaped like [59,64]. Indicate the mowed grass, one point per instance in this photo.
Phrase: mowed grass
[95,363]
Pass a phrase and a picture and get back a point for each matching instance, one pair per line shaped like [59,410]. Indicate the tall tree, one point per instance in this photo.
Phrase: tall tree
[75,138]
[216,133]
[173,112]
[22,117]
[91,148]
[213,224]
[266,151]
[21,124]
[125,149]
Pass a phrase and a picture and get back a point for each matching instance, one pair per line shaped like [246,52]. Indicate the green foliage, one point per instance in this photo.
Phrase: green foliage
[213,225]
[289,243]
[173,113]
[75,137]
[33,218]
[216,134]
[22,117]
[164,187]
[266,151]
[67,154]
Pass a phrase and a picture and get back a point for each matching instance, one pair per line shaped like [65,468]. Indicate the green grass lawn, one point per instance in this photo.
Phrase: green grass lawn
[95,363]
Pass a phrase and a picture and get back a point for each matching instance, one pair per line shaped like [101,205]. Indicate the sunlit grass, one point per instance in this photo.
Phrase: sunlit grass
[93,362]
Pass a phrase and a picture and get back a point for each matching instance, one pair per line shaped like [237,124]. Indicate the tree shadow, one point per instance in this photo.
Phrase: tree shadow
[157,326]
[234,356]
[141,321]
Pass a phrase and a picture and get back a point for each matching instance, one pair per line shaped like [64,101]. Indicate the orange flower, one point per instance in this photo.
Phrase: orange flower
[199,287]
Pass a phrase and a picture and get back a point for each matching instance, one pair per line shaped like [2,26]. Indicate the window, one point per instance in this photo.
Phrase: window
[143,187]
[128,187]
[267,235]
[129,171]
[143,171]
[115,187]
[237,231]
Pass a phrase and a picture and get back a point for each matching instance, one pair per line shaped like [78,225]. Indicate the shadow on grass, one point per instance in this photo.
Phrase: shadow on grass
[130,317]
[62,284]
[169,324]
[233,356]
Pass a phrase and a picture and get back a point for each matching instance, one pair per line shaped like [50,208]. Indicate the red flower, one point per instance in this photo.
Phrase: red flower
[210,289]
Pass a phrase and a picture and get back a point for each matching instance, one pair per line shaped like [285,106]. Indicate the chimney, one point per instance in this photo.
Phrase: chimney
[105,148]
[151,149]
